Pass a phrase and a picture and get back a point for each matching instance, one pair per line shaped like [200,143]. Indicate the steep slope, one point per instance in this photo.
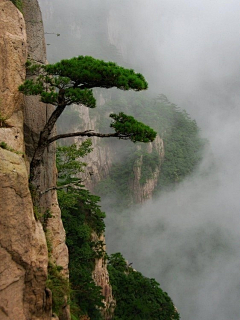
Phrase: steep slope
[24,256]
[35,117]
[24,252]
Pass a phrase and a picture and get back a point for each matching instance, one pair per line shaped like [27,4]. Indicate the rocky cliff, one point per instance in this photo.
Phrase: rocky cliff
[35,117]
[23,245]
[144,191]
[24,256]
[99,161]
[25,251]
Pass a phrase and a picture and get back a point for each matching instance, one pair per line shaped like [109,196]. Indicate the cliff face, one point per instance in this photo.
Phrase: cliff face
[23,249]
[99,161]
[144,191]
[35,117]
[23,246]
[101,279]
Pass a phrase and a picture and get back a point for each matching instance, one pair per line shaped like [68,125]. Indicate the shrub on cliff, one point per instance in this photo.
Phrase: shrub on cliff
[81,216]
[137,297]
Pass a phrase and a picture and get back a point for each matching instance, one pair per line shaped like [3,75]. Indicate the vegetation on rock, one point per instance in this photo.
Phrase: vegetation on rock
[59,286]
[4,145]
[137,297]
[183,148]
[81,217]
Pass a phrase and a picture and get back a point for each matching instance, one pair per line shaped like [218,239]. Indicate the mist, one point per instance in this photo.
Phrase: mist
[187,239]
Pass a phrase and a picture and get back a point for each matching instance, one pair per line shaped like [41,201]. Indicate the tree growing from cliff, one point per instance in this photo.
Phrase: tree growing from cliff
[71,82]
[82,217]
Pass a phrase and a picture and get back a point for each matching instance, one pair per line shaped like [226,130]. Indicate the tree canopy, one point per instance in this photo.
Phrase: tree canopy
[137,297]
[126,128]
[76,77]
[71,82]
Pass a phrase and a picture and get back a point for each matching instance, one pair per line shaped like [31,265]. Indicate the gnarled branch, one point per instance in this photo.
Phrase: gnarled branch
[87,133]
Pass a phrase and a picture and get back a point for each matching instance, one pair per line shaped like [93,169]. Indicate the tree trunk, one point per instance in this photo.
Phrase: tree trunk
[35,165]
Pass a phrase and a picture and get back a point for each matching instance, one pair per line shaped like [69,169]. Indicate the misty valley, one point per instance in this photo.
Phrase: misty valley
[119,160]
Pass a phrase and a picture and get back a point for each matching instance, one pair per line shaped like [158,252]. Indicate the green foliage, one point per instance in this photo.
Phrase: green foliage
[59,286]
[44,218]
[183,147]
[84,202]
[37,212]
[150,161]
[4,145]
[81,217]
[71,82]
[88,72]
[127,126]
[68,163]
[18,4]
[74,78]
[137,297]
[2,120]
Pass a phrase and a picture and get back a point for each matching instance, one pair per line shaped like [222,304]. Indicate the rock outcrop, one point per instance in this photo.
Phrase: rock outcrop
[23,249]
[23,245]
[99,161]
[35,116]
[144,191]
[101,278]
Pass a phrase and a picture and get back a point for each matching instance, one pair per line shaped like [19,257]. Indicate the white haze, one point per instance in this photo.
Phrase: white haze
[189,50]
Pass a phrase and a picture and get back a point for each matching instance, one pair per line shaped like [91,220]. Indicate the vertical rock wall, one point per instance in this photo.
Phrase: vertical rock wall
[144,191]
[35,117]
[23,249]
[23,246]
[101,279]
[99,160]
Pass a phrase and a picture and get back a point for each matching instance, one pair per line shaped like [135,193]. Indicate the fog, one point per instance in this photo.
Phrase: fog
[189,50]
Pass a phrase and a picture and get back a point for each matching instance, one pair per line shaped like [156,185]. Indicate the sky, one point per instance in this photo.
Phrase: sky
[188,50]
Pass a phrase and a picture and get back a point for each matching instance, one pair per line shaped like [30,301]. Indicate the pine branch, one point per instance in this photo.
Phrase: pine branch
[87,133]
[72,185]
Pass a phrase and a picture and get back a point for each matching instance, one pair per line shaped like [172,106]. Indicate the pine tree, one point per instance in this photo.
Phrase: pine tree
[71,82]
